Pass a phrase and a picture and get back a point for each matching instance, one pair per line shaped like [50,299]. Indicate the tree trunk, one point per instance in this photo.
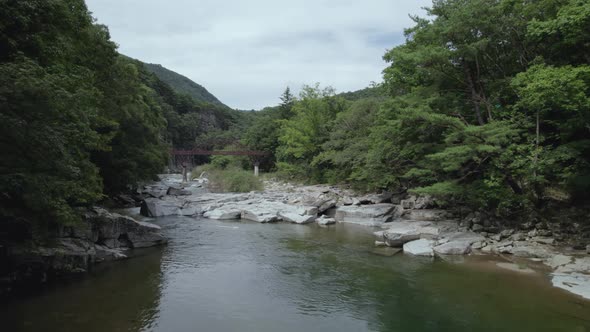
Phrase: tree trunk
[474,96]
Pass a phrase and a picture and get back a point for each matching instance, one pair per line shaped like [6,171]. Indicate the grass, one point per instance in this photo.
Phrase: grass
[230,179]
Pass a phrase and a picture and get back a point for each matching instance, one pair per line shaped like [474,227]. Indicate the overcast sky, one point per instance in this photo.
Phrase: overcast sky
[247,52]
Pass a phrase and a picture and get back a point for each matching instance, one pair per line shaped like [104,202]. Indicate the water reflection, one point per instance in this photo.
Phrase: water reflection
[239,276]
[121,296]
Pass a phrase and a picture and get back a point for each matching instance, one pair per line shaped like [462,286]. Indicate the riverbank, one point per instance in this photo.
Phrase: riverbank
[402,224]
[30,261]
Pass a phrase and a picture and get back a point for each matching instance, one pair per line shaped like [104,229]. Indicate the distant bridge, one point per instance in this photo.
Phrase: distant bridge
[184,158]
[196,152]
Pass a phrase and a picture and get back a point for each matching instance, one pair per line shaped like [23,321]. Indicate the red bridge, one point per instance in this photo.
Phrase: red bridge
[219,152]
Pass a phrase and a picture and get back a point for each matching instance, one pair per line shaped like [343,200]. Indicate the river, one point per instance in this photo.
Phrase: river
[245,276]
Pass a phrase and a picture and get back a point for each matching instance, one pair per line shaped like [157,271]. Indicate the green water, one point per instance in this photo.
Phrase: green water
[239,276]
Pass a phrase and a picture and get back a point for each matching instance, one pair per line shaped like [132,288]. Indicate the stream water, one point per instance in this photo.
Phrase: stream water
[242,276]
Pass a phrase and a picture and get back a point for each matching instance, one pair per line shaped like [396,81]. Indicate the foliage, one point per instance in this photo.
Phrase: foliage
[487,105]
[229,179]
[183,85]
[77,122]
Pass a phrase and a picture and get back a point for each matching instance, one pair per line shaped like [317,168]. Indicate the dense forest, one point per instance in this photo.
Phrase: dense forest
[79,121]
[486,104]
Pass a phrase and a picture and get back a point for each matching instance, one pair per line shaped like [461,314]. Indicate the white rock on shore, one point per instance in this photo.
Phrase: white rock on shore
[422,247]
[368,215]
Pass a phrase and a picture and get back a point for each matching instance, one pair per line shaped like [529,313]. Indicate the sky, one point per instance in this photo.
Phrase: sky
[247,52]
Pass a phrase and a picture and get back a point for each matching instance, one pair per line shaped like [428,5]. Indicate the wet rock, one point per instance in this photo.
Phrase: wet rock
[104,253]
[369,215]
[380,244]
[588,249]
[527,226]
[422,247]
[386,251]
[515,267]
[324,221]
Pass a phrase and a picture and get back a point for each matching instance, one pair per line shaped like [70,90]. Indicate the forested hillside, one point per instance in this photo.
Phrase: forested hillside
[183,85]
[79,121]
[488,105]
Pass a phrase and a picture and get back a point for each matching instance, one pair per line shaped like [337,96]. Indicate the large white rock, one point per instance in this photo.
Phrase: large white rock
[576,283]
[422,247]
[296,218]
[155,207]
[324,221]
[453,248]
[401,232]
[259,215]
[368,215]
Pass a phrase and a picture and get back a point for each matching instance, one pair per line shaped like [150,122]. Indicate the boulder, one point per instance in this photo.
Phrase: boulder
[368,215]
[457,247]
[259,214]
[402,232]
[422,247]
[115,230]
[324,221]
[155,207]
[296,218]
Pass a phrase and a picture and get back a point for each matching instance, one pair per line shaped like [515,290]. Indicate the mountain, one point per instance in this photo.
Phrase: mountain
[182,84]
[370,92]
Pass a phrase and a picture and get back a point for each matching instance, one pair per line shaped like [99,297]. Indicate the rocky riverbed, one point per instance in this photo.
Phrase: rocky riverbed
[404,223]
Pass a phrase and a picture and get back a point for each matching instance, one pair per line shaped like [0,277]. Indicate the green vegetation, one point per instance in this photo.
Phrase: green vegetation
[228,177]
[486,104]
[79,121]
[183,85]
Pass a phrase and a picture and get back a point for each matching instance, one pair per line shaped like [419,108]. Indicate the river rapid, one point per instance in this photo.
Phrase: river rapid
[246,276]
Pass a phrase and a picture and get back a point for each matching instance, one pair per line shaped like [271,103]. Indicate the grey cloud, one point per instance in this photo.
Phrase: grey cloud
[247,52]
